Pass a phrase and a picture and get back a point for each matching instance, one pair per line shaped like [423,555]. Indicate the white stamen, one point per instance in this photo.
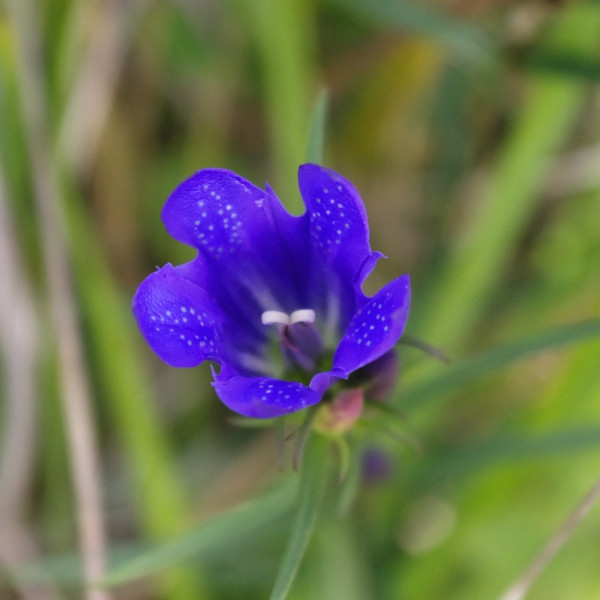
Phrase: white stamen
[274,316]
[305,315]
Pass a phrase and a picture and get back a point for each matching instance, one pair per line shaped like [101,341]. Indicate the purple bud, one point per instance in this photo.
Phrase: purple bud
[383,374]
[378,377]
[376,466]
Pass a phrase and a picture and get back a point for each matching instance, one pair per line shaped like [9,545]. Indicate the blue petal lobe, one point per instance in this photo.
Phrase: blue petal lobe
[338,222]
[264,397]
[251,250]
[375,328]
[321,382]
[178,319]
[213,210]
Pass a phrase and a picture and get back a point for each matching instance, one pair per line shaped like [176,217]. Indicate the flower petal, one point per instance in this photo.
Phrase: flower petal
[375,328]
[178,319]
[214,211]
[321,382]
[338,222]
[263,397]
[242,309]
[251,249]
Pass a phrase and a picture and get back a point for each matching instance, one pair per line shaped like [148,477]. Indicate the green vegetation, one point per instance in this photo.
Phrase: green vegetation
[472,131]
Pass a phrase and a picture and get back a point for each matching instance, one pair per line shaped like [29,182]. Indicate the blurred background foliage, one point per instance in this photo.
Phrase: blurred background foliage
[471,129]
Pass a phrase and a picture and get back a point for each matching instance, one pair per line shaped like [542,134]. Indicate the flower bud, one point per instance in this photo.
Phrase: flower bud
[340,414]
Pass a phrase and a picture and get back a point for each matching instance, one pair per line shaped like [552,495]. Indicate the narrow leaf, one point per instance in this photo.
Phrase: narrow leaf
[216,534]
[423,346]
[513,448]
[316,142]
[565,65]
[465,40]
[437,386]
[312,486]
[478,261]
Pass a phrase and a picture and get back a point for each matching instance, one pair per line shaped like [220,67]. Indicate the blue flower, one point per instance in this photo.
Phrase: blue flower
[273,299]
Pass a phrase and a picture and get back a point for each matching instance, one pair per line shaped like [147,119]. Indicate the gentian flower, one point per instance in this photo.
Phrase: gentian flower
[274,300]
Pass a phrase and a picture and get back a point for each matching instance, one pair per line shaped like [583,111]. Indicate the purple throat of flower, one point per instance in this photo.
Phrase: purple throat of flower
[274,300]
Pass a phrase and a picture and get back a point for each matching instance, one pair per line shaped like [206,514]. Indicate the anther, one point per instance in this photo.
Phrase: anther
[269,317]
[304,315]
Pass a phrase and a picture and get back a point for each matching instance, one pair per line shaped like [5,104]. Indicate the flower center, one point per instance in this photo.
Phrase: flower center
[300,342]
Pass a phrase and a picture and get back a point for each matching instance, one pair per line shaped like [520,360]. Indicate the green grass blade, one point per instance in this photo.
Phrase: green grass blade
[316,143]
[461,38]
[476,267]
[160,496]
[438,386]
[63,569]
[232,527]
[312,486]
[282,31]
[565,65]
[512,448]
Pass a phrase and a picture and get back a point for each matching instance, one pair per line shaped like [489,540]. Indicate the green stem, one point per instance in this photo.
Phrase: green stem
[313,479]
